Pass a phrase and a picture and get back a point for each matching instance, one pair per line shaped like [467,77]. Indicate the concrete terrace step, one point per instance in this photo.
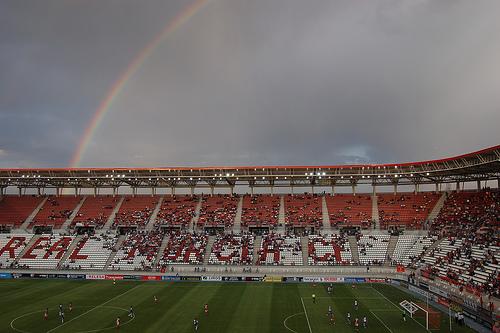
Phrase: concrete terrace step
[256,248]
[111,217]
[353,244]
[375,214]
[196,217]
[71,248]
[237,218]
[304,242]
[30,218]
[112,256]
[281,217]
[208,250]
[437,208]
[152,219]
[161,249]
[390,248]
[67,223]
[327,227]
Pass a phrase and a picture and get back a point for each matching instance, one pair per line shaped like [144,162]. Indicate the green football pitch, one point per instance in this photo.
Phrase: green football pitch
[233,307]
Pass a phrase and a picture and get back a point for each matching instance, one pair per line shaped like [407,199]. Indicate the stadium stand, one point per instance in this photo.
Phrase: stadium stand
[329,250]
[177,210]
[91,252]
[46,252]
[218,211]
[303,210]
[349,210]
[95,211]
[184,248]
[55,211]
[135,211]
[11,246]
[232,250]
[409,210]
[461,261]
[466,213]
[280,250]
[14,210]
[410,248]
[260,210]
[138,251]
[372,249]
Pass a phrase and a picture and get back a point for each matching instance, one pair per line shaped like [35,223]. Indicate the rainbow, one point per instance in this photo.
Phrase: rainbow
[122,80]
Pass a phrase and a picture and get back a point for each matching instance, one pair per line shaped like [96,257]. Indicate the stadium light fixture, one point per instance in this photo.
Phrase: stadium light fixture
[427,174]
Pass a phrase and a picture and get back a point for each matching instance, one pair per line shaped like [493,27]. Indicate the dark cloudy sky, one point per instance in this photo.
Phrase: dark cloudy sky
[249,82]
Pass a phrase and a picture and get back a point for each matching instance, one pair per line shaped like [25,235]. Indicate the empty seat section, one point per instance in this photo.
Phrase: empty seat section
[91,252]
[177,210]
[260,210]
[95,211]
[349,210]
[56,210]
[184,248]
[329,250]
[410,210]
[14,210]
[138,251]
[276,249]
[46,252]
[136,211]
[372,249]
[11,245]
[232,250]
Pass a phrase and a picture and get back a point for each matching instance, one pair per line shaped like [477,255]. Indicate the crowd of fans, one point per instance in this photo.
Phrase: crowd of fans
[350,210]
[177,210]
[410,210]
[232,249]
[303,210]
[218,210]
[260,210]
[139,250]
[277,249]
[184,248]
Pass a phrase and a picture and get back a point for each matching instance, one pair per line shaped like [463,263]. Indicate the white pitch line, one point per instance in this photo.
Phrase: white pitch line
[381,321]
[284,321]
[398,308]
[98,306]
[307,317]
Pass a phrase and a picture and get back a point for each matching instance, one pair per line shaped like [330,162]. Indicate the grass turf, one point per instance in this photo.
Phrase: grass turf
[233,307]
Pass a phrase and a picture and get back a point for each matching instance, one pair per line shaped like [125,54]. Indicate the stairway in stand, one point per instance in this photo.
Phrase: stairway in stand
[67,223]
[256,248]
[353,244]
[281,217]
[237,218]
[111,217]
[152,219]
[304,242]
[390,249]
[208,250]
[375,214]
[327,227]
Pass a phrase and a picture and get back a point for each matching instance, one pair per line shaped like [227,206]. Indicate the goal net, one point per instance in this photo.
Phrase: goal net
[423,314]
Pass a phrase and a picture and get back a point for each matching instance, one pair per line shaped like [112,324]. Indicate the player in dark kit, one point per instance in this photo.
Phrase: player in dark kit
[46,314]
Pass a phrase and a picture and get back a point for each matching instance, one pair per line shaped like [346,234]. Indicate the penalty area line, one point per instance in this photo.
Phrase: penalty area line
[380,321]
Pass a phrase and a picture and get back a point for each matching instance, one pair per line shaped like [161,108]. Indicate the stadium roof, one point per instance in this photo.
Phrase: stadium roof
[480,165]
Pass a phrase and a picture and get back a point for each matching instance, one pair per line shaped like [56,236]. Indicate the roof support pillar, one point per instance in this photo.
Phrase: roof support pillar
[272,190]
[95,191]
[58,191]
[374,189]
[437,187]
[192,190]
[232,190]
[76,191]
[417,187]
[395,188]
[458,187]
[39,191]
[312,189]
[333,190]
[251,191]
[478,184]
[353,189]
[211,191]
[173,190]
[20,191]
[498,182]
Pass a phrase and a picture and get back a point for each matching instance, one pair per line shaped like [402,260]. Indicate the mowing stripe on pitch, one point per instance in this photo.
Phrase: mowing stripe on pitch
[98,306]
